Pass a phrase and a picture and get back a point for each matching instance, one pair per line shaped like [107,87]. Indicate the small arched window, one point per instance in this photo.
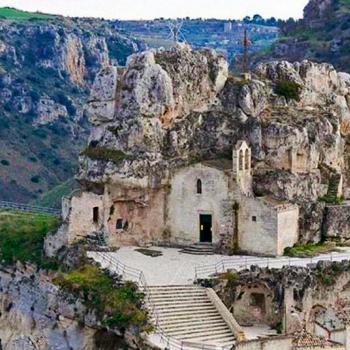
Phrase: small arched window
[241,161]
[199,186]
[247,160]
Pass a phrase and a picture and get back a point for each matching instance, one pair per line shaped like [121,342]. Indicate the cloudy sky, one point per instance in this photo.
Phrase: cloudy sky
[146,9]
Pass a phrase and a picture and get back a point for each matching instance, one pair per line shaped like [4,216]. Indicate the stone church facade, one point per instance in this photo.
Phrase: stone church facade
[209,202]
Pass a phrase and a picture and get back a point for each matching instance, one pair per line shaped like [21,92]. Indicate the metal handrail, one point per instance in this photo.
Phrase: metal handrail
[29,208]
[139,278]
[245,262]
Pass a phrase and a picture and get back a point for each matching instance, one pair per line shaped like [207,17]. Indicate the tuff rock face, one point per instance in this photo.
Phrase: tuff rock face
[174,107]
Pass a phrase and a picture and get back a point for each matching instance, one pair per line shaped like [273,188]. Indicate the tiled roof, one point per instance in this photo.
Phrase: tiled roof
[304,339]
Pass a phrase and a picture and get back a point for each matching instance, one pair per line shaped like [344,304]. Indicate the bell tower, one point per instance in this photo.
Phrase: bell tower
[241,158]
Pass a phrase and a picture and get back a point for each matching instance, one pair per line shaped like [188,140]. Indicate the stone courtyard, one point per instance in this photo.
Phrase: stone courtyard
[176,268]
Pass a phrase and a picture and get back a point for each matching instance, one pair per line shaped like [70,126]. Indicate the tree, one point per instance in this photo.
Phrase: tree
[246,19]
[257,19]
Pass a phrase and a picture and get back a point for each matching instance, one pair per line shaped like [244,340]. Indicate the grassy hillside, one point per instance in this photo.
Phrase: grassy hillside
[53,198]
[22,235]
[14,14]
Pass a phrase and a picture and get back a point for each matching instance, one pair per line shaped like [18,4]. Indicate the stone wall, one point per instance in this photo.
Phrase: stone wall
[136,216]
[288,228]
[278,343]
[257,227]
[81,220]
[255,305]
[185,205]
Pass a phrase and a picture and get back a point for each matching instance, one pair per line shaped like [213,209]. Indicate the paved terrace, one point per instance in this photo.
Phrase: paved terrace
[175,268]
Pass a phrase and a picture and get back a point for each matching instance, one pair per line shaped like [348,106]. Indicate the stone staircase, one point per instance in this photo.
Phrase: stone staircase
[187,314]
[97,240]
[199,249]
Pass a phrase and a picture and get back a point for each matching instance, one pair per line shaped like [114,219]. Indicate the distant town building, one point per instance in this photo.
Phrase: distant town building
[228,27]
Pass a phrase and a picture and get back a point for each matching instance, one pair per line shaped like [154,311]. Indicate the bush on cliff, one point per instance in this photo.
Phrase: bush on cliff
[288,89]
[117,305]
[101,153]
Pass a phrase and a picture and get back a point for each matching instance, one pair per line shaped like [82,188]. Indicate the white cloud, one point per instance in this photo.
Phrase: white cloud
[145,9]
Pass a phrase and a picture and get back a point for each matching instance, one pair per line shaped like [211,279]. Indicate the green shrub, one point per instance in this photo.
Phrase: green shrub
[42,134]
[33,159]
[331,200]
[230,276]
[101,153]
[35,179]
[5,162]
[278,327]
[289,89]
[308,249]
[22,236]
[118,306]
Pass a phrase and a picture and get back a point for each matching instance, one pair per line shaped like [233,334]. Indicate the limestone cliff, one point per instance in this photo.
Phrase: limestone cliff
[170,108]
[37,315]
[46,70]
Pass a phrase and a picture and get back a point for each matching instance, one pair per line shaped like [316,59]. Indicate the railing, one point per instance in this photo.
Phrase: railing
[244,262]
[137,276]
[29,208]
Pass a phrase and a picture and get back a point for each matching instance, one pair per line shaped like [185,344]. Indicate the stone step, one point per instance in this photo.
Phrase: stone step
[177,292]
[176,304]
[197,329]
[175,287]
[164,318]
[199,249]
[186,311]
[192,252]
[189,319]
[194,323]
[211,338]
[177,298]
[188,295]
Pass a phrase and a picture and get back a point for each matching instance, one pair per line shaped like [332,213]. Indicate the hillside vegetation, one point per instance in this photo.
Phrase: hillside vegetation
[323,35]
[14,14]
[47,66]
[22,236]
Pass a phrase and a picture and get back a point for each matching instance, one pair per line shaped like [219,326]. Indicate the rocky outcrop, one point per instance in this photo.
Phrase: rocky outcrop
[321,36]
[37,314]
[337,222]
[287,297]
[47,68]
[170,108]
[49,111]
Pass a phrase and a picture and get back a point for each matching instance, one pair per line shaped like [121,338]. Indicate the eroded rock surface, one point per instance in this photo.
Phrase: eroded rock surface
[174,107]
